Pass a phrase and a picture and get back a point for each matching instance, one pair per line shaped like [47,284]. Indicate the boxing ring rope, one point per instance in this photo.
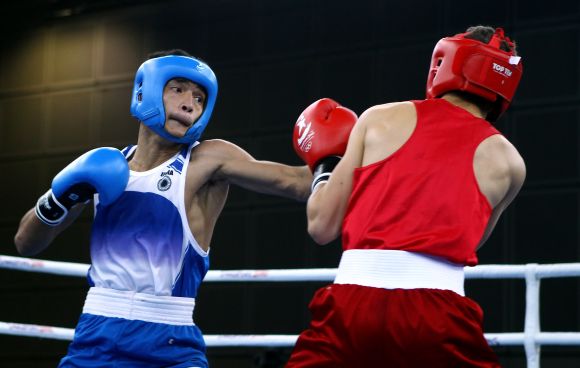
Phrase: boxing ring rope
[532,338]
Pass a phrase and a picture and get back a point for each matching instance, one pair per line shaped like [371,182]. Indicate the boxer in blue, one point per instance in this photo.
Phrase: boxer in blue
[156,205]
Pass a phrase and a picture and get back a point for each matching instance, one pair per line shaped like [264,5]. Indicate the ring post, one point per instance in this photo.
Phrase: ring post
[532,319]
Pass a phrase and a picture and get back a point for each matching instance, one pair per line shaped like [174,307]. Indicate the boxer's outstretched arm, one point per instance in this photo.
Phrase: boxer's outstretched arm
[238,167]
[327,204]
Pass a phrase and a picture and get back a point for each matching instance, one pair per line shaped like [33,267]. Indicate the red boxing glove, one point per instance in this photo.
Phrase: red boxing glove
[322,130]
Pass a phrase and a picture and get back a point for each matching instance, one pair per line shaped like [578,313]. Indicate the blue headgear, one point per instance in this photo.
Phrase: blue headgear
[150,80]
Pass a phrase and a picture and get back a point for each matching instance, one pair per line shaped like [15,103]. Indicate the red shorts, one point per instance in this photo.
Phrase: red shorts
[360,326]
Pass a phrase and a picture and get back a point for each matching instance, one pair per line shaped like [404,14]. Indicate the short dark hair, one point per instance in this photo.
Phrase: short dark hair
[484,34]
[175,52]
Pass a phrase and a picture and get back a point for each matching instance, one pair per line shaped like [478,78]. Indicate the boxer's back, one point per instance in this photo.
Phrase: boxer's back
[417,189]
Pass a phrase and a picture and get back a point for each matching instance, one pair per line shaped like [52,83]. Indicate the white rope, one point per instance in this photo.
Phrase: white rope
[531,338]
[49,332]
[59,333]
[39,265]
[250,340]
[294,275]
[558,338]
[301,275]
[494,339]
[519,271]
[80,270]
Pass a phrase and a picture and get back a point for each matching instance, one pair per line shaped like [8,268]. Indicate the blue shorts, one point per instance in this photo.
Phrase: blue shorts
[116,342]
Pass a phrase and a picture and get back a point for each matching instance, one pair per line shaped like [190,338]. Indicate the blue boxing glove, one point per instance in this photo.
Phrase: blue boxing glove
[102,170]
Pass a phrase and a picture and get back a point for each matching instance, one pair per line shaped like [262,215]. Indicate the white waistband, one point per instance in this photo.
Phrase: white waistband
[138,306]
[395,269]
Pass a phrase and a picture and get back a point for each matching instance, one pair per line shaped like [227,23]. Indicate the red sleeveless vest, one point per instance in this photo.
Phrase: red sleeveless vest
[424,197]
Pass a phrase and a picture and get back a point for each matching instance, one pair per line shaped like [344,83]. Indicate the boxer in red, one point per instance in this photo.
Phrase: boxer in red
[418,190]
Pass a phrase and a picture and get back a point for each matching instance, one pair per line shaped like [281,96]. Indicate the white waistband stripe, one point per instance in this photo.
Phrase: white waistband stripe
[395,269]
[138,306]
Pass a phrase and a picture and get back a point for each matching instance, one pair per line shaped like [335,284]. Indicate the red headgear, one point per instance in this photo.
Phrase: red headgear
[462,64]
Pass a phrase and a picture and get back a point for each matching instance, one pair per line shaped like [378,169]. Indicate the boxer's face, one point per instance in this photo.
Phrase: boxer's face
[184,102]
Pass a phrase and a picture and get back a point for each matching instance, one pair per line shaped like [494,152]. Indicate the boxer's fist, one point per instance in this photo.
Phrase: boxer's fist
[102,170]
[322,130]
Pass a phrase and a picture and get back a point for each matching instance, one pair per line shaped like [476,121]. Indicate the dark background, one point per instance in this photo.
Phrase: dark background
[66,70]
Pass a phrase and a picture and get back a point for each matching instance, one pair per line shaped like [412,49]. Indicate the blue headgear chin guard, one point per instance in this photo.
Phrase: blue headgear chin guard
[150,80]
